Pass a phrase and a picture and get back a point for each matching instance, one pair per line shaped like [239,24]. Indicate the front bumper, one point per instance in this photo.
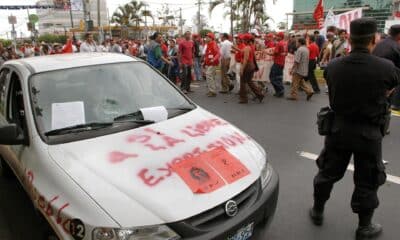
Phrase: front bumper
[260,213]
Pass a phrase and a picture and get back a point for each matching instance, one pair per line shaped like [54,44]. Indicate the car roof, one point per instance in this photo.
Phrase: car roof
[72,60]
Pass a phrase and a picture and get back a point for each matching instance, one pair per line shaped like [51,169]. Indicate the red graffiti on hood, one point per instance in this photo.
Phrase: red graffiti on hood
[117,157]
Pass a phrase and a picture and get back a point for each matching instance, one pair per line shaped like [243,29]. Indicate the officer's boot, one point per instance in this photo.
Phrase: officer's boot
[317,213]
[366,229]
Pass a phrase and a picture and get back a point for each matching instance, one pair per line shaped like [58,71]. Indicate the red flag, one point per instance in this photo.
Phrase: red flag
[319,14]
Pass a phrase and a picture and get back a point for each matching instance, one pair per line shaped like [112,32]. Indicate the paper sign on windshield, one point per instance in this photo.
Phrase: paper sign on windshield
[210,170]
[156,114]
[227,165]
[67,114]
[198,175]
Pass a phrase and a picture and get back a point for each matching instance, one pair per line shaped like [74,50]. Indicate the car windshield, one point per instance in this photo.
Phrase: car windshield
[99,94]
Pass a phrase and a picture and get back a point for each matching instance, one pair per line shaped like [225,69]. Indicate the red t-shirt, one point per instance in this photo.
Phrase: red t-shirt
[211,58]
[314,51]
[269,44]
[186,49]
[280,53]
[164,50]
[239,54]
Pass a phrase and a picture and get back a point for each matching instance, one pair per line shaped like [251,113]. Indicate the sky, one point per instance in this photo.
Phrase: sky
[189,9]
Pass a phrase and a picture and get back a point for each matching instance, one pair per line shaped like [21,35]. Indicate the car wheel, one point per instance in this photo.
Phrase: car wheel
[5,170]
[46,231]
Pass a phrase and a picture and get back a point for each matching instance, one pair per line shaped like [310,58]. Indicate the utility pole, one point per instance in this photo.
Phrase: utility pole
[98,14]
[180,21]
[85,15]
[145,16]
[231,17]
[199,16]
[70,14]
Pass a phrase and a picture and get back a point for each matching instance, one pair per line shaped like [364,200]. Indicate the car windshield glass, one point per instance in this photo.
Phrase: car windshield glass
[99,93]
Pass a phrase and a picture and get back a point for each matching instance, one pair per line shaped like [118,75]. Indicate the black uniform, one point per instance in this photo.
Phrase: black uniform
[389,48]
[357,94]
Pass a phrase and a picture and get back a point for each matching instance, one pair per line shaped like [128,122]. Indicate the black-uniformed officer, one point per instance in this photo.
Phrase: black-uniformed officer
[389,48]
[358,85]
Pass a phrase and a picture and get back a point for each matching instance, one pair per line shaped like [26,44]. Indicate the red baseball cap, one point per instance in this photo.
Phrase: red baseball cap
[211,35]
[281,35]
[248,36]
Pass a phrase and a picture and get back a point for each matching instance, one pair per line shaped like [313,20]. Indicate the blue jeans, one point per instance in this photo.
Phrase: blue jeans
[276,77]
[197,68]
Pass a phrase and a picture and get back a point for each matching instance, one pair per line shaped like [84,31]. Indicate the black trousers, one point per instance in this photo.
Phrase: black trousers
[396,98]
[312,65]
[369,171]
[186,77]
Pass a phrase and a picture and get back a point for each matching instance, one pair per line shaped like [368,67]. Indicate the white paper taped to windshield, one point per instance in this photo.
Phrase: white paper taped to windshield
[156,114]
[67,114]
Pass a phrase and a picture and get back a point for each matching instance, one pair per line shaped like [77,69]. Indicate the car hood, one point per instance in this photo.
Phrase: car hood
[129,173]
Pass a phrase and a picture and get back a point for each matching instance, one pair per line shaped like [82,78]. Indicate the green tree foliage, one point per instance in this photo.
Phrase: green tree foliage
[52,38]
[131,13]
[203,32]
[5,42]
[246,13]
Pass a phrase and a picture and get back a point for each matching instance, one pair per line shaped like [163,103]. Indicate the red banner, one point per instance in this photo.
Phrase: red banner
[319,14]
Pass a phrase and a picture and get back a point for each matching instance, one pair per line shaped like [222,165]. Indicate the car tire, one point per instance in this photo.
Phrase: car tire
[46,232]
[5,170]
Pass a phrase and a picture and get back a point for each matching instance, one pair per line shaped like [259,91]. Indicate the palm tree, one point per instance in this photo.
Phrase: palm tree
[136,11]
[129,13]
[147,13]
[251,11]
[122,15]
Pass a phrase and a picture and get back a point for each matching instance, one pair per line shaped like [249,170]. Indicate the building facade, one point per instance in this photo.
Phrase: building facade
[381,10]
[58,20]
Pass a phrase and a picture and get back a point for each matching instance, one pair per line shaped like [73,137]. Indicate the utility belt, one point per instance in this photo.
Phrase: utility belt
[326,118]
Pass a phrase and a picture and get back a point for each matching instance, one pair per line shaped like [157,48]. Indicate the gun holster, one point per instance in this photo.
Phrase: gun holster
[325,119]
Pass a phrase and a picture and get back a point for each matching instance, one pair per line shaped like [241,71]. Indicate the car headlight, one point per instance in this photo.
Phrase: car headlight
[266,174]
[159,232]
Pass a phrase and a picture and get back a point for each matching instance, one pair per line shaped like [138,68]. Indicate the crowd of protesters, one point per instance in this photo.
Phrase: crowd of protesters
[192,58]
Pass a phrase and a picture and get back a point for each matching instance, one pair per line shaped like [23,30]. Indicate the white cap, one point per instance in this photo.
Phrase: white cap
[255,32]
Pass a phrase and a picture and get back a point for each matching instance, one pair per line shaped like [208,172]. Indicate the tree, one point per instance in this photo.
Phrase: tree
[129,13]
[203,32]
[122,15]
[247,13]
[147,13]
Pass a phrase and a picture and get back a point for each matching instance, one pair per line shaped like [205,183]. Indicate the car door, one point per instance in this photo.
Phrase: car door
[13,111]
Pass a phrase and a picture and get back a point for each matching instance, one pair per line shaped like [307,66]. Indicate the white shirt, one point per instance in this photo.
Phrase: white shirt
[86,47]
[225,49]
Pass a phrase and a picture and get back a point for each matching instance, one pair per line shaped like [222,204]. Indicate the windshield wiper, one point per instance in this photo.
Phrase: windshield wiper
[79,128]
[137,115]
[178,111]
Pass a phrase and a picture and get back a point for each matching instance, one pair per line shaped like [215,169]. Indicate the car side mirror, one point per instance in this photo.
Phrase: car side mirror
[11,135]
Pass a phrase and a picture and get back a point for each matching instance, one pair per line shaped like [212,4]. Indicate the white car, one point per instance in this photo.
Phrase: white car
[109,149]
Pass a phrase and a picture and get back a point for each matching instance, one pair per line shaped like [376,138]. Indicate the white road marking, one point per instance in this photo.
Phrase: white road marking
[312,156]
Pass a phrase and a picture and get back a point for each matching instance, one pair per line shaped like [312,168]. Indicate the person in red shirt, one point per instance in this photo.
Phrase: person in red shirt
[269,41]
[247,69]
[314,53]
[211,61]
[185,57]
[276,74]
[164,52]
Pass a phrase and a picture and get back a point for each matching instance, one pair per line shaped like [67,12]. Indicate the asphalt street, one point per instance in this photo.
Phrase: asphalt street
[288,132]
